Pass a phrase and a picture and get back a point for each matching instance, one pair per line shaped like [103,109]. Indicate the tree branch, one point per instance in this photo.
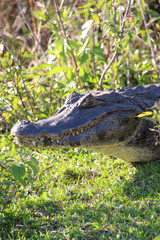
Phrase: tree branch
[147,31]
[19,70]
[27,23]
[64,33]
[116,52]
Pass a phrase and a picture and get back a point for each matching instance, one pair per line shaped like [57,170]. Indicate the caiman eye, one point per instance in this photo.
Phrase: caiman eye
[88,102]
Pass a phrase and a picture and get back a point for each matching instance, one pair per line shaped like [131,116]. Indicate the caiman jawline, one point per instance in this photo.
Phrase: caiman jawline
[39,140]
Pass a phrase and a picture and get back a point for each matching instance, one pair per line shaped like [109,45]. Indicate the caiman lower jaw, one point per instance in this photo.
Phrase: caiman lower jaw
[34,143]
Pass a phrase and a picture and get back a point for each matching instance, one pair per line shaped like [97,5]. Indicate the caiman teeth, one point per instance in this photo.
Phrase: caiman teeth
[34,143]
[74,132]
[42,138]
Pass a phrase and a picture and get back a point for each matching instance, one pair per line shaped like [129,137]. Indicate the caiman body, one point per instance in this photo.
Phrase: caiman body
[105,121]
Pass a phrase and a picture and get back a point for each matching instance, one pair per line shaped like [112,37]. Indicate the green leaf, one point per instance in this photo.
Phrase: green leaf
[95,18]
[66,12]
[73,44]
[83,46]
[127,40]
[100,4]
[157,238]
[153,20]
[157,117]
[85,28]
[83,58]
[154,111]
[41,15]
[18,171]
[59,45]
[2,76]
[151,12]
[42,65]
[8,183]
[33,167]
[98,52]
[86,5]
[56,70]
[87,24]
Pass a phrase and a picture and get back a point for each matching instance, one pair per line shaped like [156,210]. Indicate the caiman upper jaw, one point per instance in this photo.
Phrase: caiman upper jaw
[18,127]
[23,127]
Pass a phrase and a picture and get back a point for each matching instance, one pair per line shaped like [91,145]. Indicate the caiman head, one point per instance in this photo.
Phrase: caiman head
[93,120]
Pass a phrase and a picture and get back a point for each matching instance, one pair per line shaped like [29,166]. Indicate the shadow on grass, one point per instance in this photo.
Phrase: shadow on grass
[51,221]
[30,221]
[145,182]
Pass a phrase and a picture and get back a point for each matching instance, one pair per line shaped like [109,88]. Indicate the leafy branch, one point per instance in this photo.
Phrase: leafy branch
[153,115]
[116,52]
[20,73]
[65,35]
[149,38]
[28,25]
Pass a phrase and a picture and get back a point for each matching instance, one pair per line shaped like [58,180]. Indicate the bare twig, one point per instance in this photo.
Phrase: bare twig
[2,166]
[31,4]
[128,63]
[147,31]
[124,18]
[64,33]
[61,5]
[19,69]
[73,9]
[106,69]
[28,25]
[3,122]
[94,64]
[141,40]
[116,52]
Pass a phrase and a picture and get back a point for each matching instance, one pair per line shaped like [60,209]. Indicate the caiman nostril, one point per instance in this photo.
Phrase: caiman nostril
[24,122]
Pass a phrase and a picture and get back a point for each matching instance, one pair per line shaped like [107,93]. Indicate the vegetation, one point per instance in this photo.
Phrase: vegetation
[47,50]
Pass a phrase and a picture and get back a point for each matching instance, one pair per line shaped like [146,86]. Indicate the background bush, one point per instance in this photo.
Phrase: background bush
[47,52]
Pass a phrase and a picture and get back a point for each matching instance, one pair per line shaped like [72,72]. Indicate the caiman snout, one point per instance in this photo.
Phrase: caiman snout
[23,127]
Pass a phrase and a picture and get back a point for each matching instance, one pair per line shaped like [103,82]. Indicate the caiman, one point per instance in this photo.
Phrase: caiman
[103,121]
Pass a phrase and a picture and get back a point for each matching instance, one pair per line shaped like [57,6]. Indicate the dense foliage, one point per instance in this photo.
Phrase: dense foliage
[47,50]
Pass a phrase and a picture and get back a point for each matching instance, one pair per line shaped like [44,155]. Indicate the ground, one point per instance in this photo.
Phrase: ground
[81,195]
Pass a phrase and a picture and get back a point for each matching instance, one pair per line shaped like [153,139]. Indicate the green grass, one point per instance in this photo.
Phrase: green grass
[79,195]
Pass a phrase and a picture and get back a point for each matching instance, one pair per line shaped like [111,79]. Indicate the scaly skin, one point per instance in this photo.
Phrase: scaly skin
[106,122]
